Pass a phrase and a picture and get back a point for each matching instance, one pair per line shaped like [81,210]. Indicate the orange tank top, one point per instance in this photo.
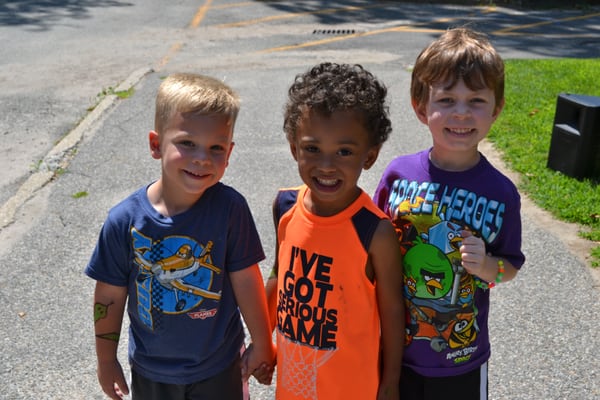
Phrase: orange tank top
[328,328]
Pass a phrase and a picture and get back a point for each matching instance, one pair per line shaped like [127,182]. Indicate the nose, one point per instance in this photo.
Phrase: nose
[461,110]
[327,163]
[201,155]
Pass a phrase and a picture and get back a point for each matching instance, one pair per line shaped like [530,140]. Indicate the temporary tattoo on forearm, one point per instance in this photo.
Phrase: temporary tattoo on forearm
[100,311]
[114,336]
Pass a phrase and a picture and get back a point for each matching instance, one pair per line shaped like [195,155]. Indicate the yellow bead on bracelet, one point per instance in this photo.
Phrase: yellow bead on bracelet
[485,286]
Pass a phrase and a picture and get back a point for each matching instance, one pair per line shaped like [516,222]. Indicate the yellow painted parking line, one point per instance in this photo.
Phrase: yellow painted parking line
[172,51]
[175,47]
[199,16]
[233,5]
[296,15]
[509,31]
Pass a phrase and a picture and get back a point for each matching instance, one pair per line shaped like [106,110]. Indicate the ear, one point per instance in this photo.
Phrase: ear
[154,142]
[498,109]
[420,111]
[372,155]
[229,152]
[293,149]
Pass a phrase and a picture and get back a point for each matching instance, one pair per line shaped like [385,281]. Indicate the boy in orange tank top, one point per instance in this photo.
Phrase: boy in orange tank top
[335,294]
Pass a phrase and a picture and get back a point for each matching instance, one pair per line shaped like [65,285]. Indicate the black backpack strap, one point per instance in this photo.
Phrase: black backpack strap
[286,198]
[365,223]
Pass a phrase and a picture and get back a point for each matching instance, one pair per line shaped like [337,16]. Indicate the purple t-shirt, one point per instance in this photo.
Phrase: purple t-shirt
[447,315]
[185,324]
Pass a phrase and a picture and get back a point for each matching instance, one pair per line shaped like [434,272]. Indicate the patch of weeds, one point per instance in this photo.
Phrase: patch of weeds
[121,94]
[79,195]
[60,171]
[35,167]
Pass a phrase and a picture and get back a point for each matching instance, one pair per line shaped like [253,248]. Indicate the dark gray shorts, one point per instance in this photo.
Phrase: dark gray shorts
[470,386]
[226,385]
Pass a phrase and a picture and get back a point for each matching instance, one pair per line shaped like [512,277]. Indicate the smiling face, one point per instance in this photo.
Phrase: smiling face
[194,152]
[458,118]
[331,153]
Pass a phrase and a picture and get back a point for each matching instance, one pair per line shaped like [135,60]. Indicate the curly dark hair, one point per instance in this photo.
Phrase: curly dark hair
[329,87]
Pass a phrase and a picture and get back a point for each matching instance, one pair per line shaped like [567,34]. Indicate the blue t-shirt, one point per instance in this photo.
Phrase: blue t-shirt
[447,316]
[185,325]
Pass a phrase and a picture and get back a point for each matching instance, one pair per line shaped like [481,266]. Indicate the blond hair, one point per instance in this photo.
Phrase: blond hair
[194,94]
[459,53]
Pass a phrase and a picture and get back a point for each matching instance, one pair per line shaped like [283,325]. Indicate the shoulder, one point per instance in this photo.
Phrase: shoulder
[221,190]
[410,165]
[223,194]
[495,178]
[413,159]
[384,237]
[134,204]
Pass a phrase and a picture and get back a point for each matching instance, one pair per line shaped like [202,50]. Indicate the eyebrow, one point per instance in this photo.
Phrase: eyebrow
[309,139]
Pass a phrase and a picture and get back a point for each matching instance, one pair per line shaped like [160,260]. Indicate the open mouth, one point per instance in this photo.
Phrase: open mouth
[460,131]
[327,184]
[195,175]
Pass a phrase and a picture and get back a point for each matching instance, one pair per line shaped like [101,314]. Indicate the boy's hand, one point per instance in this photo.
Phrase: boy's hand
[388,392]
[112,380]
[253,365]
[263,374]
[472,253]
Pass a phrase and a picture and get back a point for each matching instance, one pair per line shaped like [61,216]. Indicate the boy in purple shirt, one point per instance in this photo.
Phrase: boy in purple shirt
[457,218]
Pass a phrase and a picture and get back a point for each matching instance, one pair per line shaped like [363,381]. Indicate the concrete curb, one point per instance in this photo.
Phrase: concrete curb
[59,156]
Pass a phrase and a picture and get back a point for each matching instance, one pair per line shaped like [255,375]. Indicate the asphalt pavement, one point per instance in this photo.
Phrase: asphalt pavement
[544,324]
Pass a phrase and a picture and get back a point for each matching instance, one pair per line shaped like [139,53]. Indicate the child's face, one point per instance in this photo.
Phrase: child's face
[331,154]
[458,118]
[194,152]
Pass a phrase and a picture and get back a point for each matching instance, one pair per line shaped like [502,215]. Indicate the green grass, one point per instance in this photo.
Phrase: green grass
[524,130]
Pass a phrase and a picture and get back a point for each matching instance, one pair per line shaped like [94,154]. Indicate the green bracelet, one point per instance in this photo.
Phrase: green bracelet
[484,285]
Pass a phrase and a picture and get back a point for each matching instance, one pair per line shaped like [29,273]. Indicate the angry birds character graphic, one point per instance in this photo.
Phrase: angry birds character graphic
[446,236]
[463,333]
[437,297]
[430,269]
[176,272]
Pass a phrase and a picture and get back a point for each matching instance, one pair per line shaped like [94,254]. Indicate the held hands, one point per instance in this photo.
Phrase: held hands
[112,380]
[259,367]
[263,374]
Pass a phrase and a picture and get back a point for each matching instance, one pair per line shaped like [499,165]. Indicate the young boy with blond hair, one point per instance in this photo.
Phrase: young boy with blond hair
[183,253]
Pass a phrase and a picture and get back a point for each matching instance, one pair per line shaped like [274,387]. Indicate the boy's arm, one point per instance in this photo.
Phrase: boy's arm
[263,374]
[271,290]
[386,260]
[109,306]
[250,296]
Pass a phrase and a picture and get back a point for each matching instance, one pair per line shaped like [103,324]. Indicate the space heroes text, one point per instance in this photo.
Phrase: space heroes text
[458,205]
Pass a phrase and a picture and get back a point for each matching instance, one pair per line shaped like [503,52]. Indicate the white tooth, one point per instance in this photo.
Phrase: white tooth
[463,130]
[327,182]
